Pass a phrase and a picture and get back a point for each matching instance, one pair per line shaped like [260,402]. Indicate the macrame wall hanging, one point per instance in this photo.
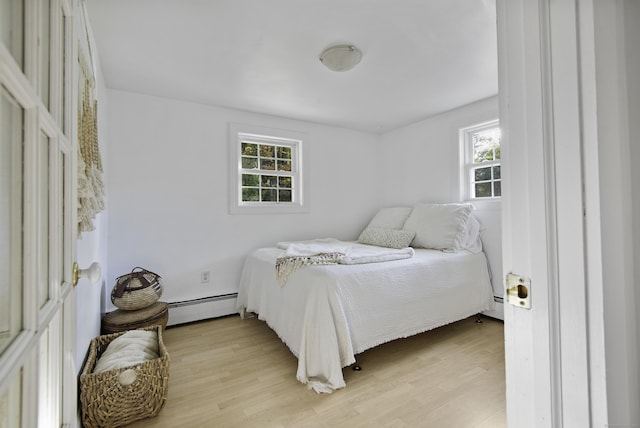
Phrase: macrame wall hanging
[90,185]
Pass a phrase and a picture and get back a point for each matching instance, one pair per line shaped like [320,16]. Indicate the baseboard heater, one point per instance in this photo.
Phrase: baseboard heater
[201,309]
[498,311]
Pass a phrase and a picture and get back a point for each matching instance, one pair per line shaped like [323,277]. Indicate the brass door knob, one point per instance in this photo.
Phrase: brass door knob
[92,273]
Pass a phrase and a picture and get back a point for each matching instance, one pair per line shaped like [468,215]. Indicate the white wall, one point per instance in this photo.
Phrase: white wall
[168,187]
[421,163]
[632,55]
[617,68]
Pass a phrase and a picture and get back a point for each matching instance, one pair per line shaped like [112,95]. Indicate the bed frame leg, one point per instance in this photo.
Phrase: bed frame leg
[356,367]
[478,319]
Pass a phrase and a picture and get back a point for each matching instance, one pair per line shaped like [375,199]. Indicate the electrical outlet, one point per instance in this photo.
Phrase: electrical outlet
[204,277]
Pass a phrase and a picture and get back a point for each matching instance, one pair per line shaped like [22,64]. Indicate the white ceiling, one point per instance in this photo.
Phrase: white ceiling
[420,57]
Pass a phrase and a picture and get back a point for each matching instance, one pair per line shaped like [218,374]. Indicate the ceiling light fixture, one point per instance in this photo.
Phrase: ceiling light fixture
[341,57]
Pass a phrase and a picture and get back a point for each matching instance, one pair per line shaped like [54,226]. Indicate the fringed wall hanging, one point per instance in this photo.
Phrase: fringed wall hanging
[91,189]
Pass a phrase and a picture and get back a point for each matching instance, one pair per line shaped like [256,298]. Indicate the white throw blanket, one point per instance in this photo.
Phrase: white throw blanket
[131,348]
[332,251]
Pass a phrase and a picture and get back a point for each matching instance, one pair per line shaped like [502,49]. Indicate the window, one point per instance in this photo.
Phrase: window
[267,172]
[481,170]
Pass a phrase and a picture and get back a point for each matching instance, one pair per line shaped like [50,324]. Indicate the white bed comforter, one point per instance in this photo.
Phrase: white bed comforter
[327,314]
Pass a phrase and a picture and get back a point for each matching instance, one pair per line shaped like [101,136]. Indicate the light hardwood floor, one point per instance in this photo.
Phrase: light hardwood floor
[229,372]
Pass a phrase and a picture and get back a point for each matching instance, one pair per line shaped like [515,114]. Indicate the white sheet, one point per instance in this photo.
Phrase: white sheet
[327,314]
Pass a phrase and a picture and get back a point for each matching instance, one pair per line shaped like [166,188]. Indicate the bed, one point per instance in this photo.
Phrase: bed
[328,313]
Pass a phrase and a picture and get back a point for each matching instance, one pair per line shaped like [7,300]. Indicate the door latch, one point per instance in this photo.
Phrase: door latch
[519,290]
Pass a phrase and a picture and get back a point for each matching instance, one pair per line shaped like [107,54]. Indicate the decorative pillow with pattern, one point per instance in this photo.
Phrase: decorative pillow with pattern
[383,237]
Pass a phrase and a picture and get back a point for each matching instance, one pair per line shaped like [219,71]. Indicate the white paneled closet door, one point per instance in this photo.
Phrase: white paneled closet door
[37,215]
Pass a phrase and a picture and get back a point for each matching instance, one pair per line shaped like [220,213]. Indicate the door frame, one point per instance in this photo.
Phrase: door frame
[563,112]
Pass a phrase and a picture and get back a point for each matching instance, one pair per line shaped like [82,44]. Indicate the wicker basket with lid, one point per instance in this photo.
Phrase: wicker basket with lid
[121,320]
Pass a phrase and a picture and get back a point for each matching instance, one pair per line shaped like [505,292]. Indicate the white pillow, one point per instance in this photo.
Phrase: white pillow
[471,237]
[390,218]
[438,226]
[390,238]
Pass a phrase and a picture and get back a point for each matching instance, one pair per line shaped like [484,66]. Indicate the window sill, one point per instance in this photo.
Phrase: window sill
[268,209]
[486,203]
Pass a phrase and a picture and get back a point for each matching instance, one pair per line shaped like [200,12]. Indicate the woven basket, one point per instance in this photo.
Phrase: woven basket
[111,398]
[119,320]
[136,290]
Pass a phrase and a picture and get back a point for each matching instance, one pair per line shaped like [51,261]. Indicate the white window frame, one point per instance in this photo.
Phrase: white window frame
[468,165]
[293,139]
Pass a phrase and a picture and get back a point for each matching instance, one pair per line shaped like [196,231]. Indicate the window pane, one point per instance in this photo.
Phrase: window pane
[43,219]
[483,190]
[59,110]
[250,195]
[250,149]
[267,151]
[482,174]
[44,49]
[269,181]
[285,195]
[12,28]
[10,403]
[249,163]
[486,145]
[284,182]
[63,163]
[268,164]
[497,188]
[284,152]
[284,165]
[11,218]
[250,180]
[496,172]
[269,195]
[44,377]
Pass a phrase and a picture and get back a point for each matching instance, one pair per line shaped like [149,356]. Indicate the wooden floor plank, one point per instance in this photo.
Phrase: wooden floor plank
[230,372]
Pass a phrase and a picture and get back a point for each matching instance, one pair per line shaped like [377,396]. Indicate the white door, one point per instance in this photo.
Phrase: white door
[37,230]
[552,111]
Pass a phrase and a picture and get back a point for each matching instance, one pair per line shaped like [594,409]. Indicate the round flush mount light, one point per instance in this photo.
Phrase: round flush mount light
[340,57]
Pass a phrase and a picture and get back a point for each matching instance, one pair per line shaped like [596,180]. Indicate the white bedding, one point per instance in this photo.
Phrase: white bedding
[326,314]
[332,251]
[354,253]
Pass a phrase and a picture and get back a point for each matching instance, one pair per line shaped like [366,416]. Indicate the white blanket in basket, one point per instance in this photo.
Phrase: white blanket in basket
[131,348]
